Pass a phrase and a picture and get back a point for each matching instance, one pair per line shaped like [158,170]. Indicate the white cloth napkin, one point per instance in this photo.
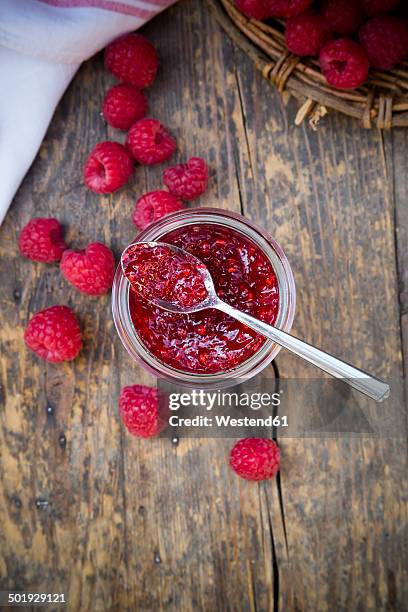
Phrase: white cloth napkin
[42,44]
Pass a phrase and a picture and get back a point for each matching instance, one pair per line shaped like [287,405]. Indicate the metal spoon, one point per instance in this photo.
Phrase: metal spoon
[363,382]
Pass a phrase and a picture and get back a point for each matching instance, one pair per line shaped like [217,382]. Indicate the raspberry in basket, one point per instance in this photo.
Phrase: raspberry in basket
[150,142]
[132,59]
[287,8]
[344,63]
[123,105]
[255,9]
[41,240]
[255,458]
[108,167]
[54,334]
[153,206]
[375,7]
[307,33]
[385,39]
[343,16]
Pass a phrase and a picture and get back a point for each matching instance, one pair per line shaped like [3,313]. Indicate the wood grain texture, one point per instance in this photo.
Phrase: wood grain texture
[328,197]
[122,524]
[396,155]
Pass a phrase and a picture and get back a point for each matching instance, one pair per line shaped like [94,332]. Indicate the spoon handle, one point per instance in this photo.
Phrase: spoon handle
[363,382]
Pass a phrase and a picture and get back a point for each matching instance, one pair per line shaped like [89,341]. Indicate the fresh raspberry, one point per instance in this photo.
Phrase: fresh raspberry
[307,33]
[154,205]
[255,458]
[254,9]
[54,334]
[150,142]
[187,181]
[344,63]
[376,7]
[287,8]
[90,270]
[123,105]
[108,167]
[132,59]
[385,38]
[41,240]
[139,411]
[343,16]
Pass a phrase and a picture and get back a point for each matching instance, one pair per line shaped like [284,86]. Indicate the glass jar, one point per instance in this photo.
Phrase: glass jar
[284,320]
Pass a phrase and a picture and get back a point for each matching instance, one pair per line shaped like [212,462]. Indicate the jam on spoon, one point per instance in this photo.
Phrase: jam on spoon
[165,275]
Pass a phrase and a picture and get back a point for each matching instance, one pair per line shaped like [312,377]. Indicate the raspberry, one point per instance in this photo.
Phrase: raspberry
[187,181]
[139,411]
[287,8]
[41,240]
[255,458]
[150,142]
[132,59]
[54,334]
[154,205]
[343,16]
[108,167]
[344,63]
[307,33]
[385,39]
[255,9]
[123,105]
[90,270]
[375,7]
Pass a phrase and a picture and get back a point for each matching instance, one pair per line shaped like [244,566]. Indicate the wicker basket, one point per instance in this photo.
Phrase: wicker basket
[382,102]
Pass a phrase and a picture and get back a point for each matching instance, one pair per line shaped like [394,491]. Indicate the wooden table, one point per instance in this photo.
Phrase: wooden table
[123,524]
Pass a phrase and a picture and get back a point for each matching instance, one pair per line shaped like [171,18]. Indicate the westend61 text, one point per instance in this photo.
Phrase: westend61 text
[227,421]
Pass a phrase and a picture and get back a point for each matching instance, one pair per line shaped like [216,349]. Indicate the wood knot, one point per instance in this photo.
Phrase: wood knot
[41,503]
[62,441]
[17,502]
[157,557]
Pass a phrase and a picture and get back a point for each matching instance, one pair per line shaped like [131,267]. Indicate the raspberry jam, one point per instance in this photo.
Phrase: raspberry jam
[209,341]
[158,273]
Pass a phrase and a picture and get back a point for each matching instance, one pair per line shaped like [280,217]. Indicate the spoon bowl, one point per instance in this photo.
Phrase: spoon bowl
[130,254]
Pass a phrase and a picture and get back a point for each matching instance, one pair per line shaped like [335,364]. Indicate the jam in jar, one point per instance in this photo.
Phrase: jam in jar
[209,341]
[208,349]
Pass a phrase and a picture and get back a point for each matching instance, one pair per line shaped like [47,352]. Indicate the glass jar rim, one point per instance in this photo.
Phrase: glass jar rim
[264,355]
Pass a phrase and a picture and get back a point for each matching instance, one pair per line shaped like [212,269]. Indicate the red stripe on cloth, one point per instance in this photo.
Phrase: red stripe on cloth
[109,5]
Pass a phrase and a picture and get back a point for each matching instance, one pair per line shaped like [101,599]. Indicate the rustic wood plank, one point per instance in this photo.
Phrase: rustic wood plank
[119,523]
[328,198]
[396,155]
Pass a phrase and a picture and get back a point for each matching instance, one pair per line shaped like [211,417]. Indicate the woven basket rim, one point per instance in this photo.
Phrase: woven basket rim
[382,102]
